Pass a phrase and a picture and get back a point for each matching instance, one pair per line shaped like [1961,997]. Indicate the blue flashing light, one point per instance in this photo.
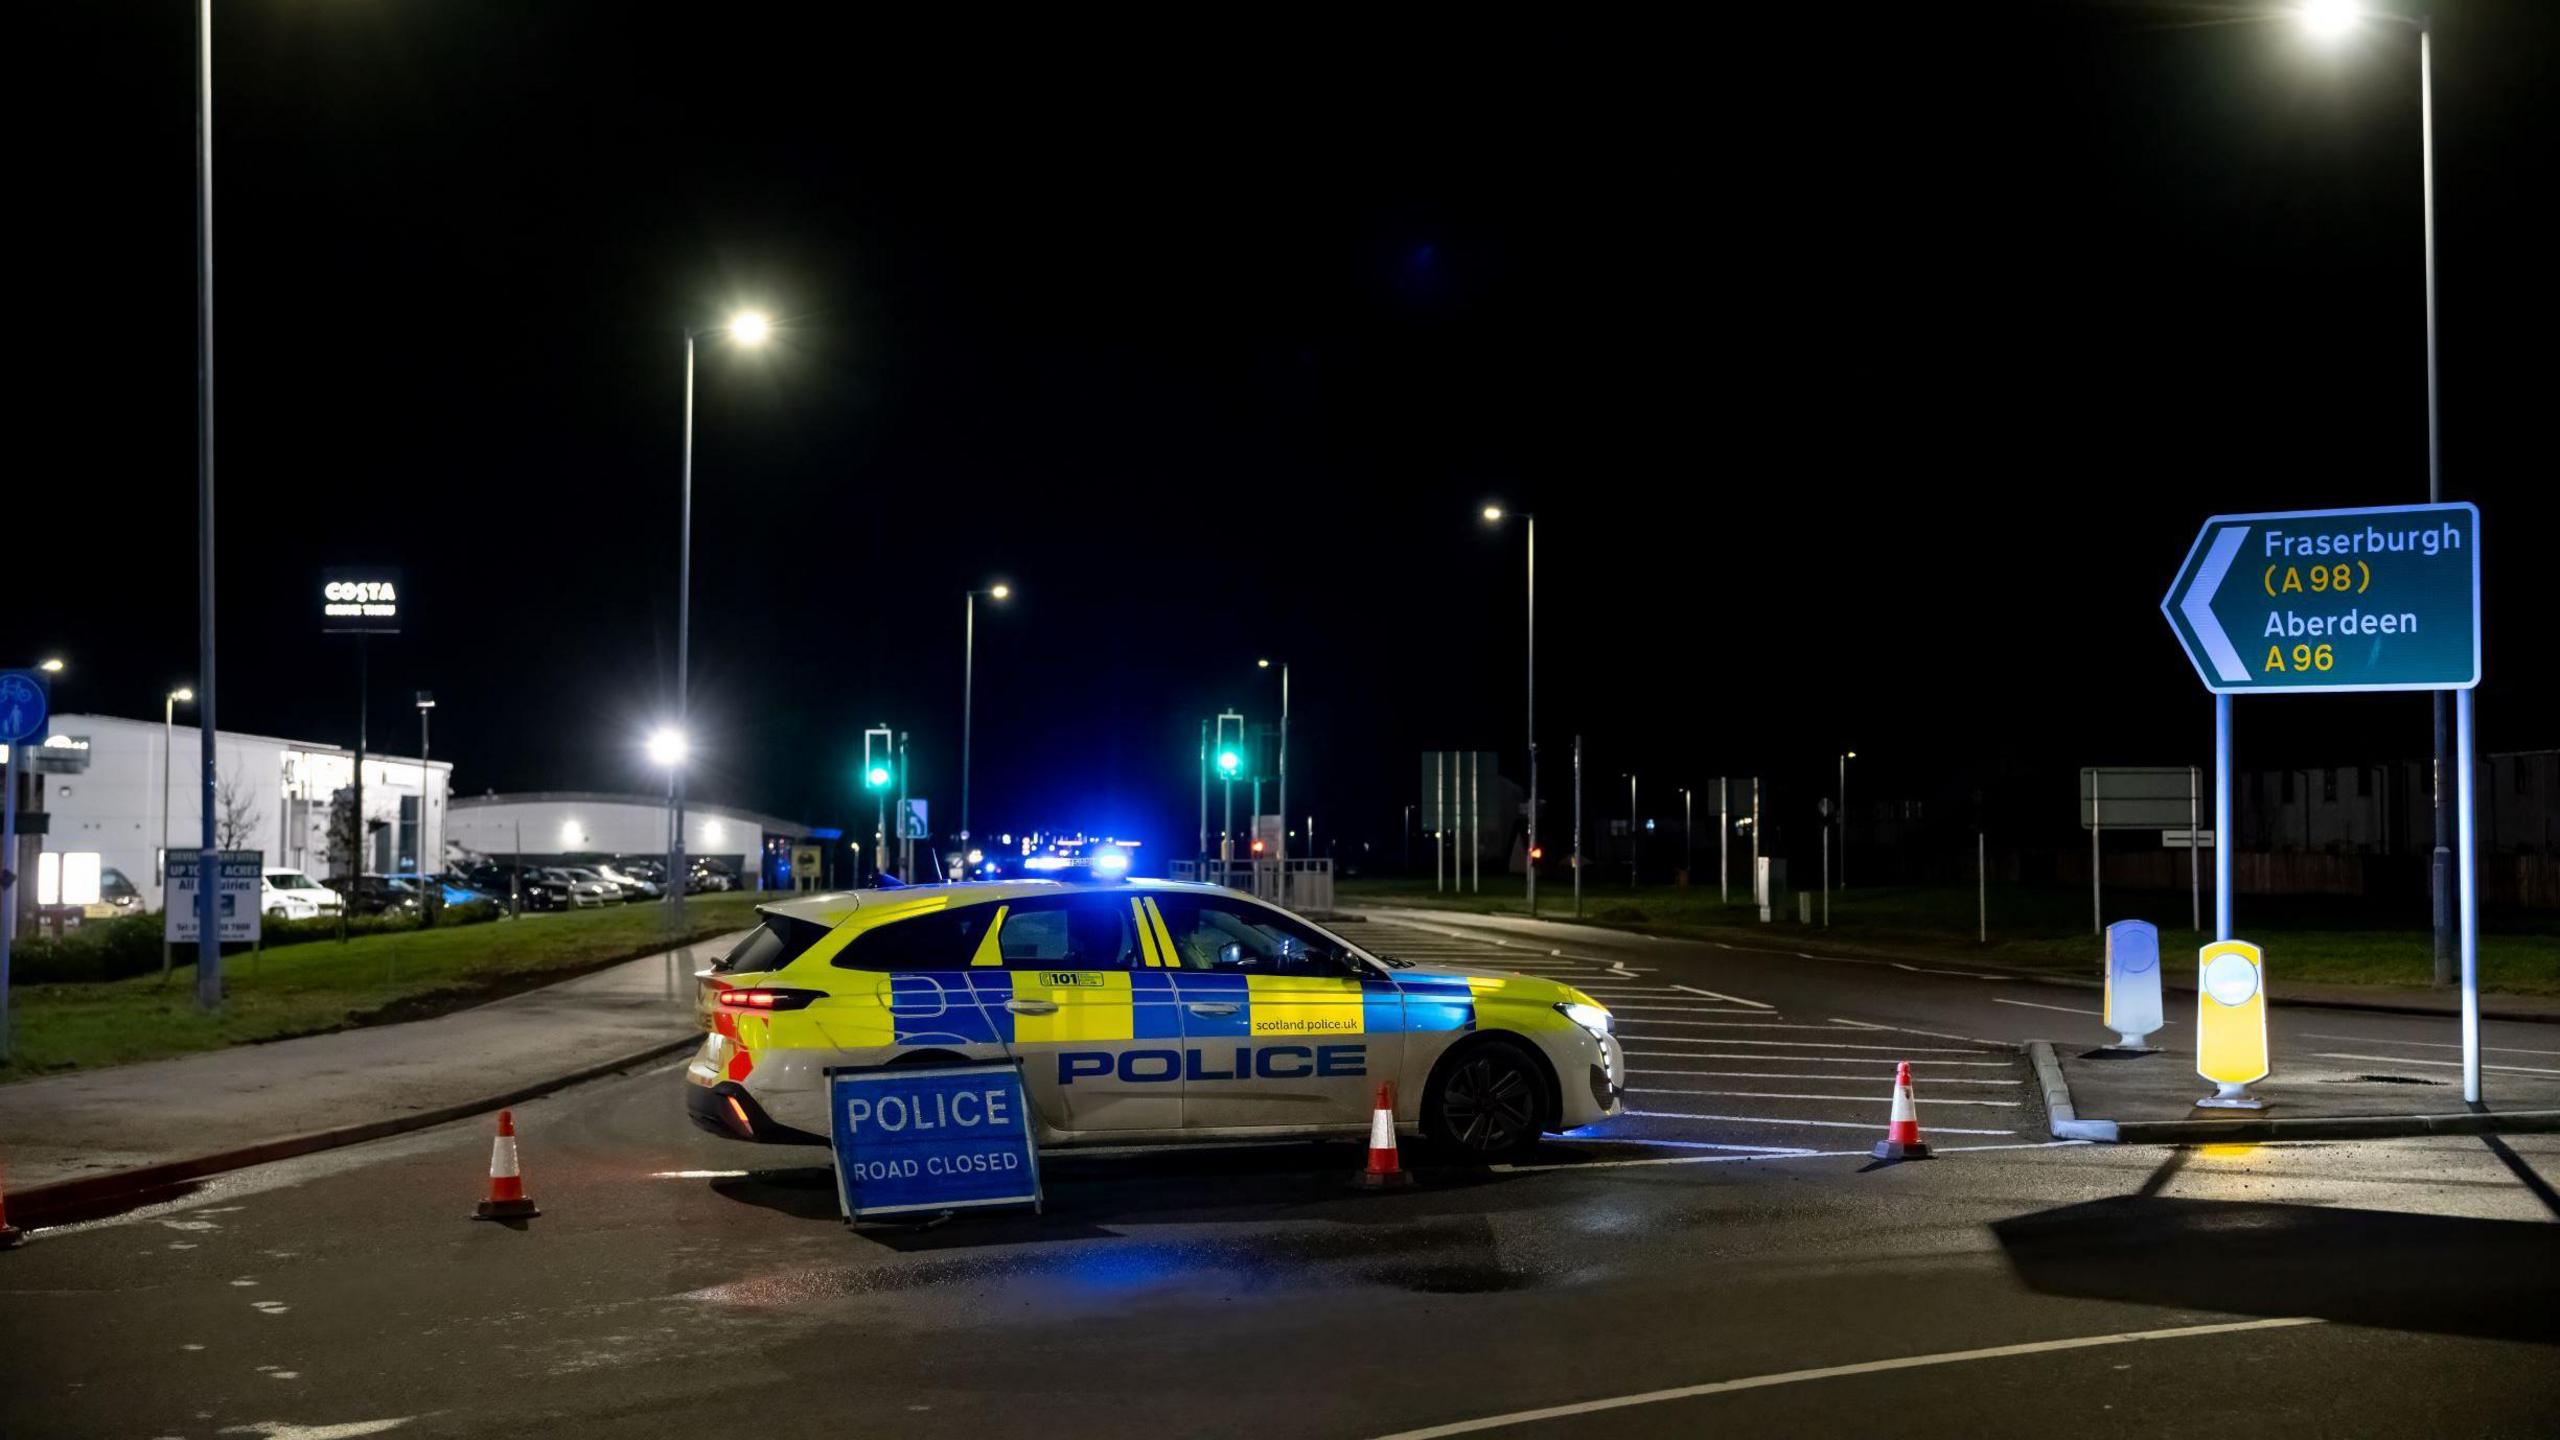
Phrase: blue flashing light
[1110,863]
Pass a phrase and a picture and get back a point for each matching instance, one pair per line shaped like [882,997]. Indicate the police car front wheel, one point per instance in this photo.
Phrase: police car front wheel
[1488,1103]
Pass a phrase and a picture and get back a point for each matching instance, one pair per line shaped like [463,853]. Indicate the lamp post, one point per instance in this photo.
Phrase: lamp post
[667,749]
[169,704]
[1688,824]
[1284,776]
[428,893]
[968,695]
[1845,757]
[2333,20]
[749,328]
[1635,851]
[1494,515]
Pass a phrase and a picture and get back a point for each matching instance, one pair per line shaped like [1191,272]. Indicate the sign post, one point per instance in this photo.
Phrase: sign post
[2380,598]
[25,702]
[912,1139]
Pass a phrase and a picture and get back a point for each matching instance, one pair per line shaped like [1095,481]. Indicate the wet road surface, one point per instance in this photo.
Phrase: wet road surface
[1726,1259]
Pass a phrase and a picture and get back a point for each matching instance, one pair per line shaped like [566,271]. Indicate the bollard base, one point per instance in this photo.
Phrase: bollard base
[505,1210]
[2231,1097]
[1890,1150]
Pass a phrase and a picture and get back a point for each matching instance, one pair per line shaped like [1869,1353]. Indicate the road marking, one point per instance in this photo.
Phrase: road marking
[1912,1030]
[1801,1059]
[1713,1010]
[1678,1144]
[1807,1044]
[2406,1060]
[1789,1075]
[1738,1024]
[1791,1095]
[1783,1122]
[1806,1155]
[1923,970]
[1720,995]
[2031,1005]
[1834,1372]
[697,1174]
[2429,1044]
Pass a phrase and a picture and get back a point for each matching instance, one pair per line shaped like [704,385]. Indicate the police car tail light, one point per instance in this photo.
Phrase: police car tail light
[763,998]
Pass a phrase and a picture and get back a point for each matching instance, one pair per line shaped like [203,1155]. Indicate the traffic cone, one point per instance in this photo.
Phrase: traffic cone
[1902,1135]
[1383,1172]
[10,1234]
[507,1200]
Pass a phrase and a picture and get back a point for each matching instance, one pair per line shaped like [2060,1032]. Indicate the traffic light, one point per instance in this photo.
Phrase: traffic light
[1257,846]
[877,777]
[877,758]
[1229,763]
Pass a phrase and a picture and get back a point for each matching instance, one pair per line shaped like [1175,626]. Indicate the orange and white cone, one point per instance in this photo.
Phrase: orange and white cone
[10,1234]
[1383,1172]
[507,1200]
[1902,1135]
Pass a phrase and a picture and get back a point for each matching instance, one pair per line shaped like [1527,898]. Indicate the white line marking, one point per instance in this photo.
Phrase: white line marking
[1924,970]
[1687,1009]
[2031,1005]
[2443,1064]
[1783,1123]
[1834,1372]
[697,1174]
[1807,1155]
[1788,1075]
[1791,1095]
[1677,1144]
[1802,1059]
[1807,1044]
[1736,1024]
[2429,1044]
[1911,1030]
[1720,995]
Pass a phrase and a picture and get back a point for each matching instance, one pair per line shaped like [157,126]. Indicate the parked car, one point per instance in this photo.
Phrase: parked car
[709,875]
[379,895]
[633,887]
[455,892]
[585,888]
[289,894]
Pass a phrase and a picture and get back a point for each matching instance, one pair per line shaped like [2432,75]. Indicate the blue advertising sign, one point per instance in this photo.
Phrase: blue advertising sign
[921,1138]
[2386,598]
[22,704]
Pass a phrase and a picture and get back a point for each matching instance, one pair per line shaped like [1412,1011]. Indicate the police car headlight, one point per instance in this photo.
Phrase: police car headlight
[1589,1017]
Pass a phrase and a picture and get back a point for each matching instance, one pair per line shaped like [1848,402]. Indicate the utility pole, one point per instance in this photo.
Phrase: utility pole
[1577,827]
[1724,839]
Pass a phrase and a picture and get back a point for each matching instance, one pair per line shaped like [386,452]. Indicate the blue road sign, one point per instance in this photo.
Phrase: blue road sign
[23,706]
[921,1138]
[2375,599]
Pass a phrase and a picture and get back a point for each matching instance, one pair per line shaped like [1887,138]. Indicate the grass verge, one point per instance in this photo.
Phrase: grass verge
[314,988]
[2308,939]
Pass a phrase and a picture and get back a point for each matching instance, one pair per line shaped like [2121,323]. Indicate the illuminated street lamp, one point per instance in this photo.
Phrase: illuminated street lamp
[749,328]
[999,591]
[1845,757]
[668,750]
[1495,515]
[169,704]
[53,666]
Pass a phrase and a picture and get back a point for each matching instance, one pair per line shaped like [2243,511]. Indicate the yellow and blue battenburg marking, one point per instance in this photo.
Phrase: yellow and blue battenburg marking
[967,1007]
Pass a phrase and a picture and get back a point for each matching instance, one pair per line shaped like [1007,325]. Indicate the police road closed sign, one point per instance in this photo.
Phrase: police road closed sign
[926,1138]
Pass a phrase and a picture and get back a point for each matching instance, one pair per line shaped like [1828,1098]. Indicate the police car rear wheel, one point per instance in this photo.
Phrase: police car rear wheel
[1487,1103]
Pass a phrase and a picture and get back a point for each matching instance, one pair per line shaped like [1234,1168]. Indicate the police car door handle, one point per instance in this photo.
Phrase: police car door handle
[1032,1007]
[1213,1007]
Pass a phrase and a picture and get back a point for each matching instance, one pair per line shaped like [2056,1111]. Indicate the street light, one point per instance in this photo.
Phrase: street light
[1284,775]
[667,749]
[1494,514]
[2329,19]
[968,690]
[53,666]
[749,328]
[169,704]
[426,789]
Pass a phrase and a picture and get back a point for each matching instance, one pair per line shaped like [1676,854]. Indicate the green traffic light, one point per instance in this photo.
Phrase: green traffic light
[1229,761]
[878,778]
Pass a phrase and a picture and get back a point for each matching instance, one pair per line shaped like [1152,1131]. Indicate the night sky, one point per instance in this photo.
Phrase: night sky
[1869,369]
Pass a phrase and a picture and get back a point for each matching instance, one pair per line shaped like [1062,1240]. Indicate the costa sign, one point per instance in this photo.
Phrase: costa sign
[360,602]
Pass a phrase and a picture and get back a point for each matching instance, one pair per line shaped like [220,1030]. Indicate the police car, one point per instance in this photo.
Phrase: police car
[1142,1012]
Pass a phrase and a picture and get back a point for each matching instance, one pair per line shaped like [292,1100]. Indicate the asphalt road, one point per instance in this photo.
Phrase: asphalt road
[1726,1260]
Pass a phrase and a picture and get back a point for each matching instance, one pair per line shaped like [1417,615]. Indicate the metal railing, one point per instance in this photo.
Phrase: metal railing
[1296,884]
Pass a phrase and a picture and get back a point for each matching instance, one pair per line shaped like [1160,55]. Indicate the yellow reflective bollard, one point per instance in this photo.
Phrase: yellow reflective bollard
[2231,1023]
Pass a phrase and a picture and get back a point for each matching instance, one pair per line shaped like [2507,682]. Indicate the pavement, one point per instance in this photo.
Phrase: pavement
[1735,1265]
[2328,1084]
[248,1101]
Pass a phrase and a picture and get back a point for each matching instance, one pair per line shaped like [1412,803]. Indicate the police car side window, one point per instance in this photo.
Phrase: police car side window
[943,940]
[1222,935]
[1082,932]
[772,945]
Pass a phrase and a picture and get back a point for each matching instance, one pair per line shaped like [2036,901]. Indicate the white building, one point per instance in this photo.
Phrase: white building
[271,795]
[571,826]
